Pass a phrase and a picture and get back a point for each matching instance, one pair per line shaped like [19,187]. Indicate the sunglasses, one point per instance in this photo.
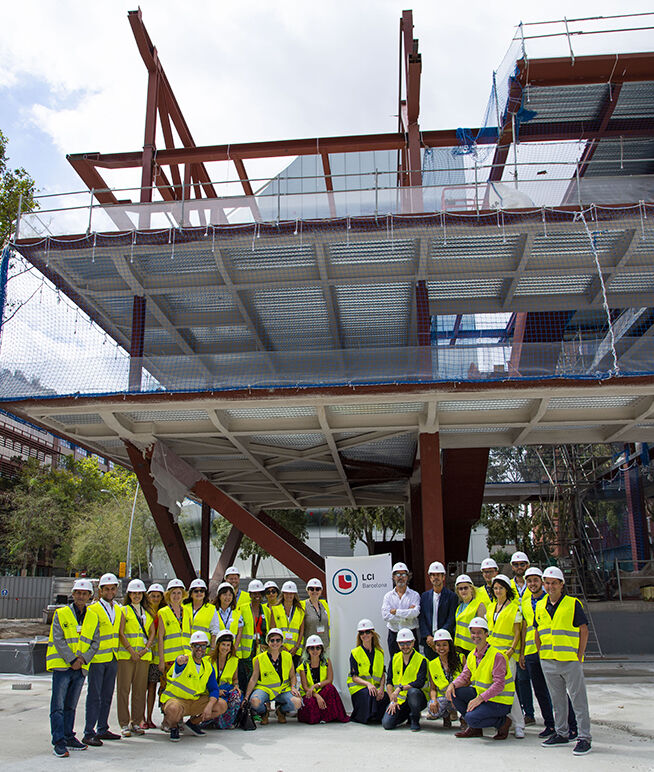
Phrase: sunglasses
[314,589]
[199,645]
[405,643]
[271,591]
[313,647]
[198,589]
[274,639]
[366,632]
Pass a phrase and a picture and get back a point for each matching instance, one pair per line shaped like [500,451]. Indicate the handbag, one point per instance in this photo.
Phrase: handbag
[244,719]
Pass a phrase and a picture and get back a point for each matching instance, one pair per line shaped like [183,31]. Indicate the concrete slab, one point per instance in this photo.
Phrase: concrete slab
[621,709]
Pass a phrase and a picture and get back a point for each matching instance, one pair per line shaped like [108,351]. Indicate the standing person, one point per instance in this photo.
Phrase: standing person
[98,646]
[255,626]
[136,635]
[484,692]
[406,684]
[321,702]
[316,614]
[400,607]
[233,576]
[561,638]
[191,689]
[489,571]
[68,669]
[505,625]
[473,604]
[157,602]
[271,593]
[529,656]
[288,616]
[229,617]
[174,627]
[225,662]
[519,564]
[442,671]
[437,609]
[202,614]
[367,677]
[273,678]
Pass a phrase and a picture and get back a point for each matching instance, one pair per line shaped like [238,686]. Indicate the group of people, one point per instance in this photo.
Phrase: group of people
[482,650]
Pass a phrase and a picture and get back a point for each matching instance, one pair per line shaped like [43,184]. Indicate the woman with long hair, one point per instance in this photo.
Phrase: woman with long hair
[443,669]
[321,702]
[273,678]
[136,635]
[288,616]
[367,676]
[229,617]
[316,613]
[471,605]
[156,600]
[202,614]
[174,628]
[225,667]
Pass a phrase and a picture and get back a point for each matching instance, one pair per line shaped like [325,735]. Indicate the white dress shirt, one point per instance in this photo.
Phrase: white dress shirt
[435,601]
[404,616]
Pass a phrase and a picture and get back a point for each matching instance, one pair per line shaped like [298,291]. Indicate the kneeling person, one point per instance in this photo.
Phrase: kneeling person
[273,678]
[188,681]
[406,684]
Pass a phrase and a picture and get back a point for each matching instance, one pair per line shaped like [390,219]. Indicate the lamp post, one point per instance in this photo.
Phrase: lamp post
[131,525]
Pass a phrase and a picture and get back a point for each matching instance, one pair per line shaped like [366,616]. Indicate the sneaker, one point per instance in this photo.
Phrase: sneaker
[174,735]
[91,739]
[415,726]
[520,732]
[581,748]
[195,728]
[554,740]
[572,734]
[139,728]
[529,720]
[61,751]
[126,731]
[547,732]
[75,745]
[108,736]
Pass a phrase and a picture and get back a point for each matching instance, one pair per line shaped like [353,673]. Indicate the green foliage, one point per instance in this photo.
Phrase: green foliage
[13,182]
[361,523]
[526,527]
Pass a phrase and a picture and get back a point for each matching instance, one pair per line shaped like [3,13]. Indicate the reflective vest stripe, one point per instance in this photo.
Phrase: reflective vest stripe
[268,677]
[189,684]
[305,668]
[464,616]
[408,673]
[501,633]
[135,634]
[481,676]
[227,676]
[176,636]
[96,616]
[68,624]
[559,639]
[363,669]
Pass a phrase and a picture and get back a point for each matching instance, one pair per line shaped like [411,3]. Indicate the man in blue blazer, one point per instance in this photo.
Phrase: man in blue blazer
[444,602]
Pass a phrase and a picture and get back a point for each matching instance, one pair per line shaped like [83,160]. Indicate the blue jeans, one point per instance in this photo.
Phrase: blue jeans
[102,680]
[523,688]
[486,714]
[415,702]
[282,701]
[543,695]
[66,688]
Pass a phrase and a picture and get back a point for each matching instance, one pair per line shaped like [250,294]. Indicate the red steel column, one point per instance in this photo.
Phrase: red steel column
[433,539]
[137,343]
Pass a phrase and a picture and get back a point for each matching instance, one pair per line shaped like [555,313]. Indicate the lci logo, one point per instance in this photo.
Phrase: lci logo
[345,581]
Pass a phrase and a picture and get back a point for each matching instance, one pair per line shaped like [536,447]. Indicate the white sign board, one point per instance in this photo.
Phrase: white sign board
[355,590]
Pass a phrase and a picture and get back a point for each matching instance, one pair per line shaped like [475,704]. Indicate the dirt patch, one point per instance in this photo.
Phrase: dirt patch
[22,628]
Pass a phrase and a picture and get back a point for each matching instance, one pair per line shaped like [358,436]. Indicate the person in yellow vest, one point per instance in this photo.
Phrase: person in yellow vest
[271,593]
[519,565]
[561,638]
[504,618]
[442,671]
[98,646]
[155,676]
[202,614]
[229,616]
[233,576]
[191,689]
[289,617]
[136,635]
[321,701]
[255,625]
[484,692]
[367,678]
[489,570]
[174,627]
[225,662]
[316,614]
[273,678]
[472,604]
[68,669]
[406,684]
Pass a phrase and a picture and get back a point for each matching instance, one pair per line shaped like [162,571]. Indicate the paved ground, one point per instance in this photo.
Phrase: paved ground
[621,706]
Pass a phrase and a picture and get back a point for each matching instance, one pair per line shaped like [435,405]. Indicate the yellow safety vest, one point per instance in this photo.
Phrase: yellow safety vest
[269,679]
[96,616]
[189,684]
[290,628]
[363,669]
[243,599]
[464,616]
[227,676]
[233,621]
[71,631]
[481,677]
[248,635]
[201,620]
[305,668]
[501,629]
[525,594]
[438,675]
[408,673]
[135,635]
[559,639]
[528,615]
[176,636]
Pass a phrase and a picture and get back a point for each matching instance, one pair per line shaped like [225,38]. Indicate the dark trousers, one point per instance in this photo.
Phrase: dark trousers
[367,709]
[542,693]
[523,689]
[428,651]
[487,714]
[393,648]
[101,683]
[410,709]
[66,688]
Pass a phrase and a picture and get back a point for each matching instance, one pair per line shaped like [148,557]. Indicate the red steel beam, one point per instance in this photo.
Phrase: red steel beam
[329,183]
[292,539]
[588,69]
[433,535]
[227,557]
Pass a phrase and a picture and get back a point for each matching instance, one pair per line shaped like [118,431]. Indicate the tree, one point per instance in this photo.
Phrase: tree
[525,526]
[361,524]
[13,183]
[293,520]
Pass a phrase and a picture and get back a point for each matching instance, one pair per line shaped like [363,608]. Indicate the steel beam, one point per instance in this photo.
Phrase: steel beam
[137,343]
[464,480]
[433,535]
[227,557]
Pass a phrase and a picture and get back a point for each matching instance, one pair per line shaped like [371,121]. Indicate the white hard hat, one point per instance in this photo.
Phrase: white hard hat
[365,624]
[199,637]
[232,570]
[225,634]
[83,584]
[533,571]
[289,587]
[400,567]
[136,585]
[436,568]
[274,631]
[108,579]
[502,578]
[156,587]
[462,579]
[315,640]
[442,635]
[314,583]
[552,572]
[519,557]
[225,586]
[256,585]
[488,563]
[479,622]
[175,583]
[198,583]
[270,584]
[404,635]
